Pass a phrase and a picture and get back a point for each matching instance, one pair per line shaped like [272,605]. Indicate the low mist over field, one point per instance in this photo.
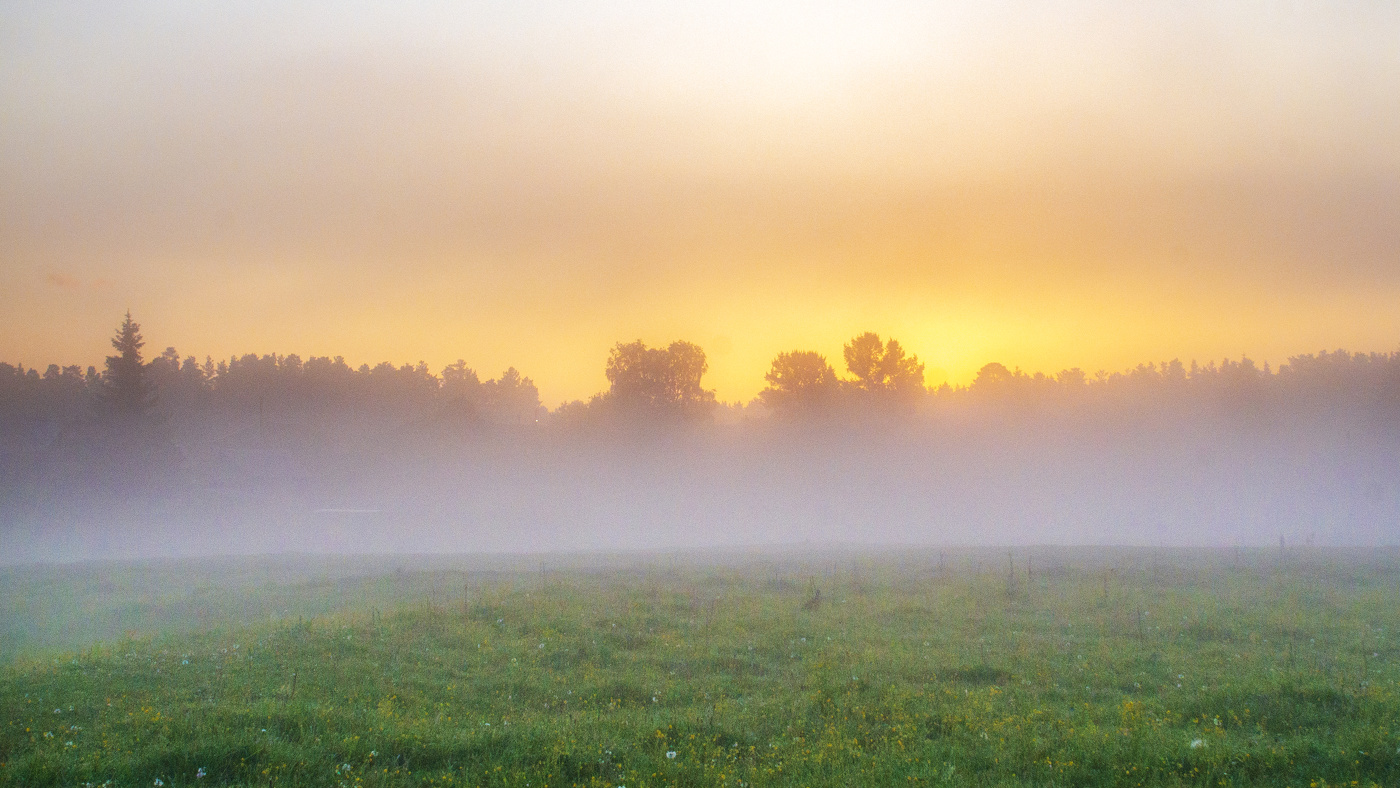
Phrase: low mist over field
[276,454]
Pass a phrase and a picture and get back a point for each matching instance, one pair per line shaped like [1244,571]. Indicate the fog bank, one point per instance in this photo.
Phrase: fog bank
[1219,456]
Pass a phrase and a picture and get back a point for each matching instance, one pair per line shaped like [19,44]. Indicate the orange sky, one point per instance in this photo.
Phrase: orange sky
[1046,185]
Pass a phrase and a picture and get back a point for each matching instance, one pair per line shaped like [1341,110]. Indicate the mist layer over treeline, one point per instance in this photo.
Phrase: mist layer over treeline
[275,453]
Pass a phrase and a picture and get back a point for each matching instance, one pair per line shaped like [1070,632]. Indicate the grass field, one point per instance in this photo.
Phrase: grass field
[1146,667]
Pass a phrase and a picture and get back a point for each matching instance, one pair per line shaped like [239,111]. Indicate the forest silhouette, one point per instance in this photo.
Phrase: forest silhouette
[1225,451]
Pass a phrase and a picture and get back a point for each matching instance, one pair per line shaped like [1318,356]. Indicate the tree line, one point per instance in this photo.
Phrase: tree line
[650,385]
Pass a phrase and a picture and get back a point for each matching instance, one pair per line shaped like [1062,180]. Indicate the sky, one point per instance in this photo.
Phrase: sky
[1047,184]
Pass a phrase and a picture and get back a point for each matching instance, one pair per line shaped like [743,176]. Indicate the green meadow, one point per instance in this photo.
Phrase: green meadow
[1038,667]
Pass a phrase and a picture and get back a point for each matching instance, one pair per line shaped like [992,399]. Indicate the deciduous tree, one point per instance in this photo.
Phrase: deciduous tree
[801,379]
[657,381]
[882,367]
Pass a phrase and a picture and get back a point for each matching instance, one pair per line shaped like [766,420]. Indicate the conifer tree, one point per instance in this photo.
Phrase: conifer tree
[125,389]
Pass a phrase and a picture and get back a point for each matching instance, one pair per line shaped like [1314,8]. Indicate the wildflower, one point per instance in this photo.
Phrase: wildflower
[199,775]
[373,753]
[159,782]
[671,754]
[1197,744]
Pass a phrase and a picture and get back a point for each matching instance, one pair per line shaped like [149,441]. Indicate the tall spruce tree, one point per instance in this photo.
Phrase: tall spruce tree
[125,390]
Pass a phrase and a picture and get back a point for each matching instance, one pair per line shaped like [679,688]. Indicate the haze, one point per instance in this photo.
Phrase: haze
[1072,184]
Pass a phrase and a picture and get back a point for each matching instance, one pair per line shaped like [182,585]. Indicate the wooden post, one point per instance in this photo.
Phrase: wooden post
[1010,574]
[1029,577]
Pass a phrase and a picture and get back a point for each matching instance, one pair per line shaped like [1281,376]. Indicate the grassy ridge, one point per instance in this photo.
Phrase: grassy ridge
[1195,675]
